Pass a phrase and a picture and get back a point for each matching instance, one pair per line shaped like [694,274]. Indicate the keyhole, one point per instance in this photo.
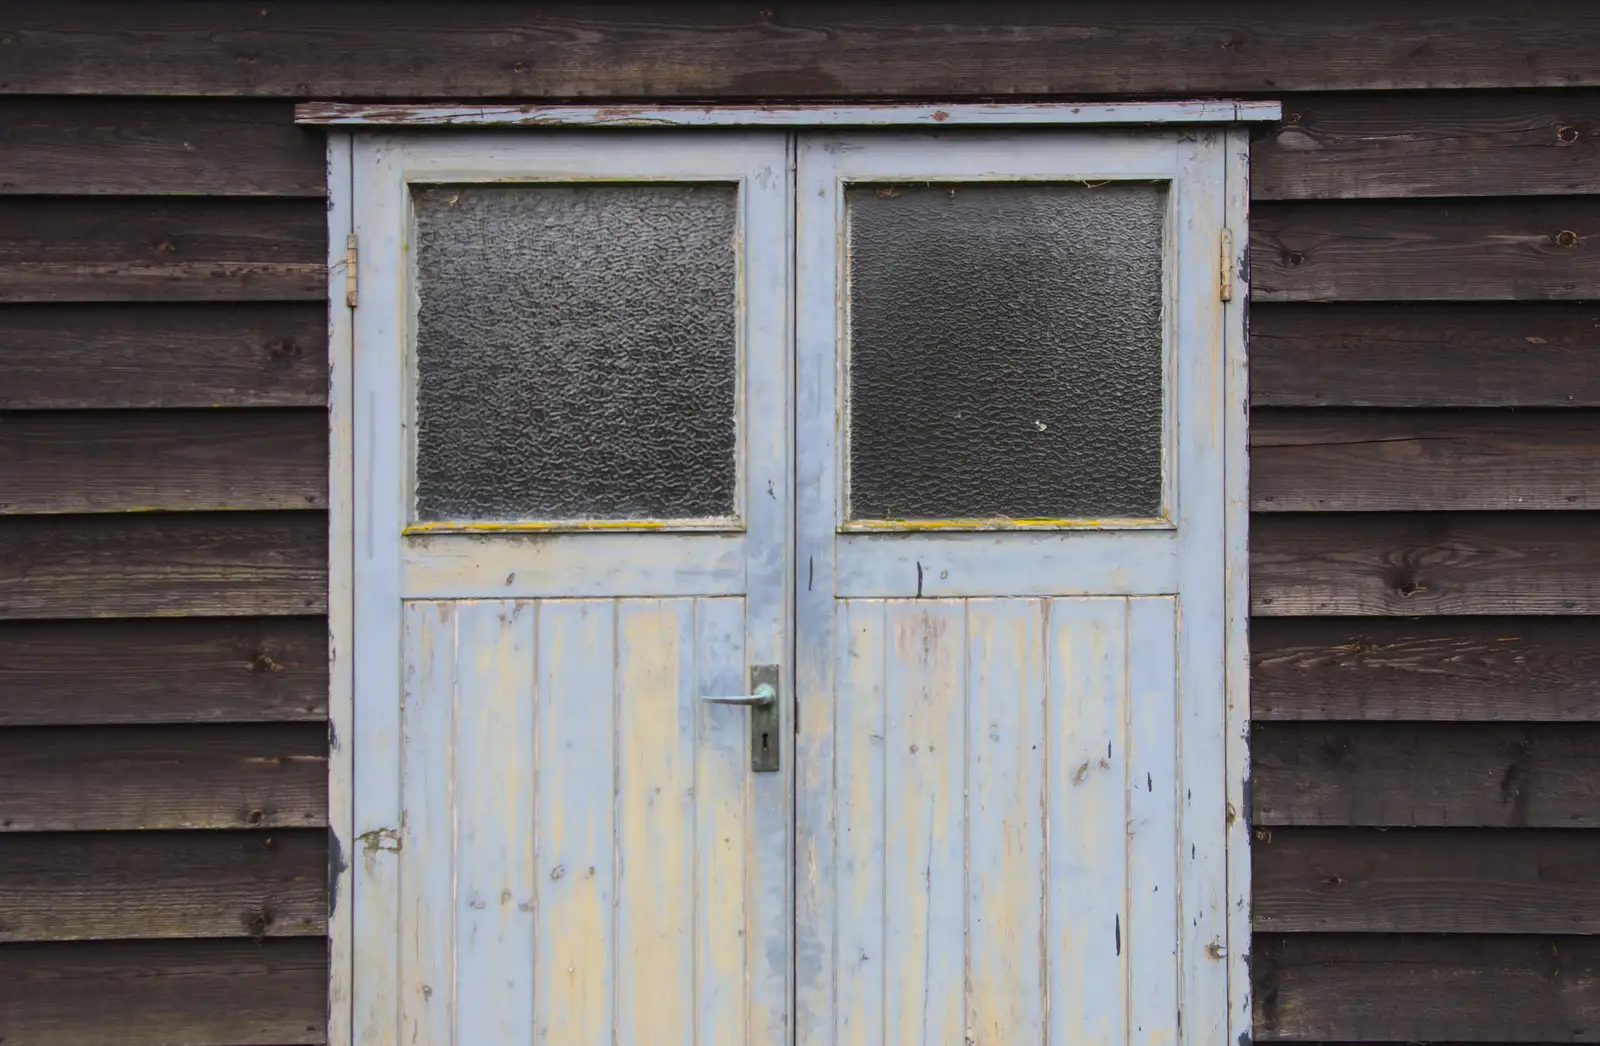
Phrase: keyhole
[764,736]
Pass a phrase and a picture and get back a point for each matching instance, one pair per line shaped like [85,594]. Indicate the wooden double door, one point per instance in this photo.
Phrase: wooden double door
[789,582]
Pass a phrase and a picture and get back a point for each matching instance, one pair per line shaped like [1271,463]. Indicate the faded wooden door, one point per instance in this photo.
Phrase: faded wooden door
[1010,589]
[571,422]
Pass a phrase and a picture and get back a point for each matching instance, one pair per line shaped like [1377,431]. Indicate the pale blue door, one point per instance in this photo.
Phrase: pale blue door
[573,519]
[1010,475]
[791,587]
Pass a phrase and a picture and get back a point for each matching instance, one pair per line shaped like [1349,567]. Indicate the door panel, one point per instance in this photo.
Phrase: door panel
[580,820]
[1005,838]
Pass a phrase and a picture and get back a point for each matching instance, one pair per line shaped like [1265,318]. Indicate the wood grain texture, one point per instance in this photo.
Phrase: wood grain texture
[1383,987]
[88,779]
[163,565]
[502,50]
[199,670]
[1463,354]
[1505,669]
[1417,461]
[234,354]
[135,885]
[1332,146]
[1383,564]
[163,461]
[1530,249]
[1351,880]
[1494,775]
[153,147]
[150,993]
[100,249]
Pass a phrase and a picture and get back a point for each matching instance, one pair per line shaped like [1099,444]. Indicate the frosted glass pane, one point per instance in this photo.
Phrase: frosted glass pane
[576,351]
[1005,350]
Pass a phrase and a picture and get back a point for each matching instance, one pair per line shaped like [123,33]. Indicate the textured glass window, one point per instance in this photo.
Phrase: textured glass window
[1005,350]
[576,351]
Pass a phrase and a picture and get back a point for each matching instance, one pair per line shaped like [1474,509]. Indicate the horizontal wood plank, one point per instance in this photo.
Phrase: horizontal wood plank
[1453,143]
[1355,880]
[1445,775]
[154,146]
[1402,988]
[91,779]
[174,670]
[163,565]
[505,50]
[1529,249]
[1414,461]
[153,993]
[1465,354]
[234,354]
[163,461]
[99,249]
[1424,563]
[1504,669]
[59,886]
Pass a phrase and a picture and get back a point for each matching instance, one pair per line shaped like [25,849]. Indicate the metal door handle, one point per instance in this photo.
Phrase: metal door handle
[766,718]
[765,694]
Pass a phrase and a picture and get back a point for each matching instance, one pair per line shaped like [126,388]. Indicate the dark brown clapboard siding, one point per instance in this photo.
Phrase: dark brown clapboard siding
[93,779]
[1439,143]
[1417,461]
[1393,987]
[1355,880]
[1461,354]
[1500,775]
[154,993]
[150,146]
[1424,563]
[161,249]
[1505,669]
[1529,249]
[500,49]
[147,461]
[226,564]
[106,885]
[165,670]
[118,356]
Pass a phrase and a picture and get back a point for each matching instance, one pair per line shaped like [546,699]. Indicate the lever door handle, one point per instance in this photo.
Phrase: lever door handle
[766,718]
[765,694]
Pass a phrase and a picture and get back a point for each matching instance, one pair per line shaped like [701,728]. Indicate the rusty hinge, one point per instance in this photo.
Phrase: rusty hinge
[1225,266]
[351,253]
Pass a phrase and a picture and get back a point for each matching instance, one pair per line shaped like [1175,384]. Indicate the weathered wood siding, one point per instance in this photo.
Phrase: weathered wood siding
[1425,357]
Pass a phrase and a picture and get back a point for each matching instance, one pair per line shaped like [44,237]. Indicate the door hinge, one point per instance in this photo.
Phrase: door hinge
[351,256]
[1225,266]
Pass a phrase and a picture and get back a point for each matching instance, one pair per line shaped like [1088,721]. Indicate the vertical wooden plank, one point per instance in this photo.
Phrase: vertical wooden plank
[924,844]
[494,790]
[656,861]
[428,789]
[858,870]
[766,229]
[377,513]
[817,214]
[1152,785]
[720,822]
[341,596]
[1006,750]
[1202,617]
[1236,597]
[573,958]
[1087,857]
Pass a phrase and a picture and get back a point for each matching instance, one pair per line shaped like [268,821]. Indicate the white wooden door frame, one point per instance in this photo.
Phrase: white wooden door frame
[1227,902]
